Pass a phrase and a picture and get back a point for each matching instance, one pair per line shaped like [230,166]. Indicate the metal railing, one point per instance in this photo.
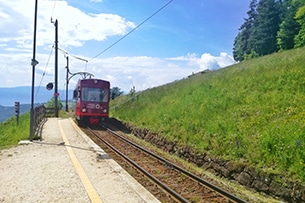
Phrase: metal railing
[39,119]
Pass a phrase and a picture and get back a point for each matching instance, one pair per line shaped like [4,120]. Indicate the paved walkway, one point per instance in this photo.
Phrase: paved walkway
[66,166]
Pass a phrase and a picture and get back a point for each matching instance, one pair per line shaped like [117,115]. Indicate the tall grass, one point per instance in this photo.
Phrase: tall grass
[11,132]
[252,111]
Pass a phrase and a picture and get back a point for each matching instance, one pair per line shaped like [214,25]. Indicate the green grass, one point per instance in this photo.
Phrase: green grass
[252,111]
[11,133]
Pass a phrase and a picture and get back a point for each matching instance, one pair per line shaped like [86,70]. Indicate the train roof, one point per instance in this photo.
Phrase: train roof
[92,79]
[93,82]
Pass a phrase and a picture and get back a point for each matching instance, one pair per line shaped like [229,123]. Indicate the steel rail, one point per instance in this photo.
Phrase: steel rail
[195,177]
[174,194]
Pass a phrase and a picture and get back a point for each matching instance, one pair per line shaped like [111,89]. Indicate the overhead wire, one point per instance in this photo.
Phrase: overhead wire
[160,9]
[116,42]
[76,57]
[44,72]
[53,8]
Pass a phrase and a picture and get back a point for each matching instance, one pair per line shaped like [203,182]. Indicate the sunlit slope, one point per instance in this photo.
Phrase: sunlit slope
[254,111]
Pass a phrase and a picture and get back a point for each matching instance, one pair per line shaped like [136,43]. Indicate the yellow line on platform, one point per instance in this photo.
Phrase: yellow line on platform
[94,197]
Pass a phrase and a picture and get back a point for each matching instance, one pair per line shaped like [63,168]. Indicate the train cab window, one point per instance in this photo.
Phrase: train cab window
[75,94]
[94,94]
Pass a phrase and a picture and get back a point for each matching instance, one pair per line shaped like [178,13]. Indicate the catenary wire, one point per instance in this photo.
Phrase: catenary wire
[53,9]
[76,57]
[131,30]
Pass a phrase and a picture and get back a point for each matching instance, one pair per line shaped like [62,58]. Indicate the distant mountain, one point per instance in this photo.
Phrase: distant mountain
[9,95]
[8,112]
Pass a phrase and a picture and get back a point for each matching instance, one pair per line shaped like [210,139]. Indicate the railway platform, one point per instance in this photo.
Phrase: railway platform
[65,166]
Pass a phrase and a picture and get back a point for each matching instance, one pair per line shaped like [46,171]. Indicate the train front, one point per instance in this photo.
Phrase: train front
[92,101]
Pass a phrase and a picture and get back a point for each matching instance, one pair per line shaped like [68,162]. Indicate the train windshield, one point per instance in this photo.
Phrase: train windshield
[90,94]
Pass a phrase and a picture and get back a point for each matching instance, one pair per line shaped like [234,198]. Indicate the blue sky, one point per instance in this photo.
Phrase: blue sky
[185,37]
[182,27]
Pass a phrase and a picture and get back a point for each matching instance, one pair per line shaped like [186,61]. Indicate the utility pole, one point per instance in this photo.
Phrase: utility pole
[56,70]
[33,63]
[67,82]
[84,74]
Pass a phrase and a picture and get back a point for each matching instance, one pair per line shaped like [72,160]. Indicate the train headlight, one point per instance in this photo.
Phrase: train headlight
[104,110]
[84,110]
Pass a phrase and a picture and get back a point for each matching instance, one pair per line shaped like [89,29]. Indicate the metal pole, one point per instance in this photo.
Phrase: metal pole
[56,70]
[67,83]
[33,63]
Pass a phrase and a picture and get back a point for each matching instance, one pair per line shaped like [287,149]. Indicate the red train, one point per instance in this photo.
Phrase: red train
[92,98]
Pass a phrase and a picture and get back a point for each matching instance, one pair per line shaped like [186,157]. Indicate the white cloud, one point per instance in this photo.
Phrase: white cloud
[124,72]
[17,18]
[143,72]
[207,61]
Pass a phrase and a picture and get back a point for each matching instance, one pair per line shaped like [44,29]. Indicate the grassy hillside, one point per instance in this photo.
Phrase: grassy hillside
[11,133]
[253,112]
[9,111]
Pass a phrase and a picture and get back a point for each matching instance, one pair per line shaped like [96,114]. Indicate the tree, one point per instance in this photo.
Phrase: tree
[271,25]
[289,27]
[299,39]
[115,92]
[242,41]
[132,91]
[265,27]
[238,53]
[51,103]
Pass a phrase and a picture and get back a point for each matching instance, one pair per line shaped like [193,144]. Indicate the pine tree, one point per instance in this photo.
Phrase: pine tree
[242,44]
[299,39]
[238,53]
[289,27]
[271,25]
[265,27]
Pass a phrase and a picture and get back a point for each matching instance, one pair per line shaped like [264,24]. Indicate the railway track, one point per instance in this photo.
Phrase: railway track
[166,180]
